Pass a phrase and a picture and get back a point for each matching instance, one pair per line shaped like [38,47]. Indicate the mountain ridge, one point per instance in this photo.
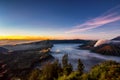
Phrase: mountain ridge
[116,38]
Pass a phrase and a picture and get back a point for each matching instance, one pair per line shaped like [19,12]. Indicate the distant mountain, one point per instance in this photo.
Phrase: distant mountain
[104,47]
[117,38]
[33,46]
[3,50]
[88,45]
[68,41]
[107,49]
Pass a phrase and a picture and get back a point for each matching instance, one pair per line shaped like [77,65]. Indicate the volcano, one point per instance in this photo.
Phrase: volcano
[107,49]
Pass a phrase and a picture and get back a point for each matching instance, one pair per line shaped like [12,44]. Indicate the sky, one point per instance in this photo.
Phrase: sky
[59,19]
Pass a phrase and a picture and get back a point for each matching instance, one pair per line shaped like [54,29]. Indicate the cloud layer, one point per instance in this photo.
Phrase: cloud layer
[109,16]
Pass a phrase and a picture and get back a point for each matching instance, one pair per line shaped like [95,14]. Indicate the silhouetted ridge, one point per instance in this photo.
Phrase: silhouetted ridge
[117,38]
[68,41]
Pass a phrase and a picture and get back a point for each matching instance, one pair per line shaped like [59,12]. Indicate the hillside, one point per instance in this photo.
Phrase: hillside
[29,46]
[107,49]
[22,58]
[111,47]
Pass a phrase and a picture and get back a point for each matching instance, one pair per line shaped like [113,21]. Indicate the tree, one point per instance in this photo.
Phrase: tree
[51,71]
[65,60]
[108,70]
[34,75]
[68,69]
[58,68]
[80,67]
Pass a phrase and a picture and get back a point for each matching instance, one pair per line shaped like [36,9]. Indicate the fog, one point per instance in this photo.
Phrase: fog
[89,59]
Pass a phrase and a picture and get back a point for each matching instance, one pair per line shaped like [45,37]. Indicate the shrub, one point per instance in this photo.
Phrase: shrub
[34,75]
[108,70]
[51,71]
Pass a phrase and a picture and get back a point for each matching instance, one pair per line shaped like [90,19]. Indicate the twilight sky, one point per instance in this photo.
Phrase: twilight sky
[59,19]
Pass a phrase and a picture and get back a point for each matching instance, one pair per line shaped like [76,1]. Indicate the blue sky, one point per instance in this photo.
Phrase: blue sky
[65,19]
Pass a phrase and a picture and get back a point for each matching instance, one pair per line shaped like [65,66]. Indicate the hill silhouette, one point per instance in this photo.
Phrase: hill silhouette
[116,38]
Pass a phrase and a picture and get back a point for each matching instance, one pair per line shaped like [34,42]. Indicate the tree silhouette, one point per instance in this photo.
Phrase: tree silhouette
[80,67]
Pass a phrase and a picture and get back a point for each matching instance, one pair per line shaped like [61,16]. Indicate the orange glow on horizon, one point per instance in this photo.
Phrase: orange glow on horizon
[32,37]
[21,37]
[25,37]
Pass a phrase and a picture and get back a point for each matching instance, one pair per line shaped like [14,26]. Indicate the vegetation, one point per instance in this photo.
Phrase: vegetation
[51,71]
[80,67]
[67,68]
[108,70]
[65,60]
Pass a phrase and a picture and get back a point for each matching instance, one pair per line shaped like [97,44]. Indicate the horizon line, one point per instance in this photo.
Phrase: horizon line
[20,37]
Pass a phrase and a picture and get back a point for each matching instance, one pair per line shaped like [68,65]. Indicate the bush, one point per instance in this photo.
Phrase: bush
[51,71]
[108,70]
[68,69]
[72,76]
[34,75]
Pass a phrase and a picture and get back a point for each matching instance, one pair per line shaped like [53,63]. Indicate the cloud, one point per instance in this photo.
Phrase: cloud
[109,16]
